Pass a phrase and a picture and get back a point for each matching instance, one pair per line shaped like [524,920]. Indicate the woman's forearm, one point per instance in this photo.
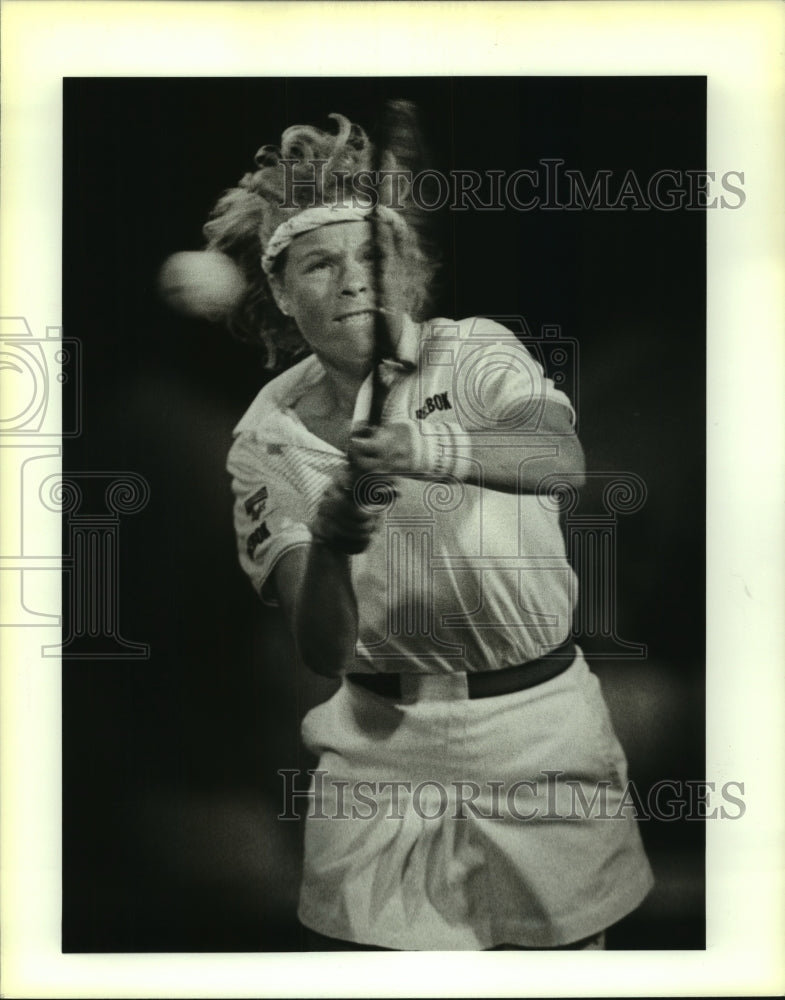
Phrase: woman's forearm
[514,461]
[521,470]
[325,619]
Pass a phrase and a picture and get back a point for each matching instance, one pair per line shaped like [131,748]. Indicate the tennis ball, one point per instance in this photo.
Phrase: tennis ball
[201,283]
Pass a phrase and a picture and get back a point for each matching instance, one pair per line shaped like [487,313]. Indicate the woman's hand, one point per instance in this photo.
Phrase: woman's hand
[404,449]
[387,450]
[341,523]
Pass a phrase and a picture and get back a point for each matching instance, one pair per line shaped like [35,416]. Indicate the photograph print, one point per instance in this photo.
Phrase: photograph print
[384,526]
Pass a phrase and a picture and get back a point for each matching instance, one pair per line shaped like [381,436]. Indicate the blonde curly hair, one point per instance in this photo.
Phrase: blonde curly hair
[245,217]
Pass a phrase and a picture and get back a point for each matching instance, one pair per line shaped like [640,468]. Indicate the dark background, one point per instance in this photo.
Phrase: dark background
[170,836]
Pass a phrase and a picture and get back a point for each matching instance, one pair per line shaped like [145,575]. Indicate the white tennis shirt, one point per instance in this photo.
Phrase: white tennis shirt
[456,578]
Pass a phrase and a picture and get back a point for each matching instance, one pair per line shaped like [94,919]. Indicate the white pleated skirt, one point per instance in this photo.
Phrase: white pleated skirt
[445,823]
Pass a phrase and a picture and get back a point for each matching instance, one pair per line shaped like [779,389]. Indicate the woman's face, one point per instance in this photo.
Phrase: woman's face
[327,286]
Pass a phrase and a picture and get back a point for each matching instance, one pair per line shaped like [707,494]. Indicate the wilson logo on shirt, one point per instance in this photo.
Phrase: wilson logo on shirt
[255,504]
[440,401]
[256,538]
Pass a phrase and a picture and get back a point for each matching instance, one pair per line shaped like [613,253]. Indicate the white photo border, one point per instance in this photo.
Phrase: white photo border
[736,46]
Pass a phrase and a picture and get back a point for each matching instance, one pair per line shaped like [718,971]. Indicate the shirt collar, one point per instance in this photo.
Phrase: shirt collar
[268,408]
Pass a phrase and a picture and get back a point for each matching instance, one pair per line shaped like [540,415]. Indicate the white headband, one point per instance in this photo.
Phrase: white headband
[313,218]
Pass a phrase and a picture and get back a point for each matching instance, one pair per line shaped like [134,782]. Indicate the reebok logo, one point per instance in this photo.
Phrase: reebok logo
[433,403]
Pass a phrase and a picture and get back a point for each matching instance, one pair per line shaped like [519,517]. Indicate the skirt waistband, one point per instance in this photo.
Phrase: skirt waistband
[460,686]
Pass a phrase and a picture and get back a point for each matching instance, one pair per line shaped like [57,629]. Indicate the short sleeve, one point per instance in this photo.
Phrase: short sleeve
[270,516]
[500,384]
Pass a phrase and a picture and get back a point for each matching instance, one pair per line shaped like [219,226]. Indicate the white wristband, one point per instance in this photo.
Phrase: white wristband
[441,453]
